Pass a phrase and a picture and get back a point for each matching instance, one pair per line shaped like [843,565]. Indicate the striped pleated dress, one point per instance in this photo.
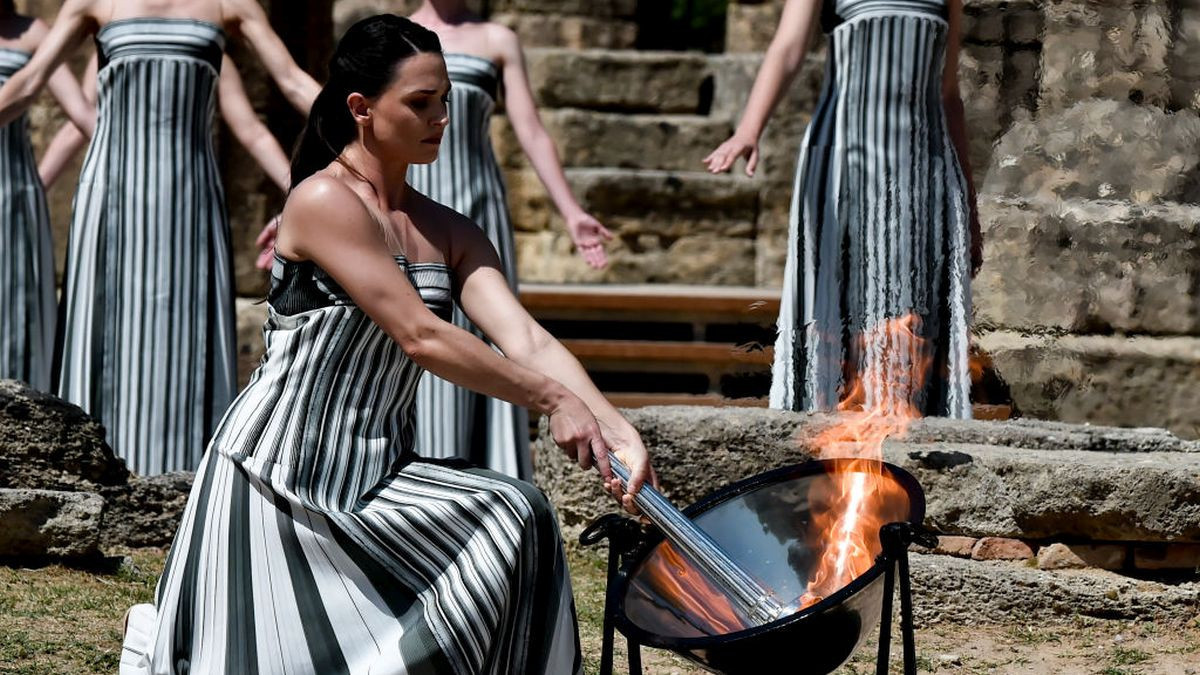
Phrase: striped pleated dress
[452,421]
[148,336]
[27,313]
[879,223]
[316,542]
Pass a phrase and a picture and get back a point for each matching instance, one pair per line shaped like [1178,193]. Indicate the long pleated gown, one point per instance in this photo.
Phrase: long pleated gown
[452,421]
[148,334]
[27,314]
[879,223]
[315,543]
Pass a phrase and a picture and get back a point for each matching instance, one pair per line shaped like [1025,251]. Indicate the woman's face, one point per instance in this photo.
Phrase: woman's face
[409,117]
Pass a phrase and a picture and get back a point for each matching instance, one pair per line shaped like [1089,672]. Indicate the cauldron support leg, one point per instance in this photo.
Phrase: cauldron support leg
[895,539]
[623,536]
[885,617]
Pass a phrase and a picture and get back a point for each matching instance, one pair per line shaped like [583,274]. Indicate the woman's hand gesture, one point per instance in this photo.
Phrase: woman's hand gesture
[738,145]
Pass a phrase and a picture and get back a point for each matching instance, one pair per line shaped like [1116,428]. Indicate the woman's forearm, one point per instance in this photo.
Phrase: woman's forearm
[550,357]
[957,126]
[17,95]
[456,355]
[543,155]
[59,153]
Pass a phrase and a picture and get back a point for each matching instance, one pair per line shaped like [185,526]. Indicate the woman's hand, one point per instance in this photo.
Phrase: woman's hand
[738,145]
[589,237]
[266,244]
[627,444]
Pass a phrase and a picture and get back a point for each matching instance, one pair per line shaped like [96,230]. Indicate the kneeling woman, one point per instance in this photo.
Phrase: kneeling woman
[315,541]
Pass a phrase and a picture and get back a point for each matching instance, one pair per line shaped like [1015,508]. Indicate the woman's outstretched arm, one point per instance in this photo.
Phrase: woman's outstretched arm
[486,298]
[780,64]
[75,20]
[298,87]
[248,128]
[326,222]
[956,120]
[587,232]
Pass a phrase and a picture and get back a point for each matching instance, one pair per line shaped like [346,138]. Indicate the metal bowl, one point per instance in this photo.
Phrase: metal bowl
[762,522]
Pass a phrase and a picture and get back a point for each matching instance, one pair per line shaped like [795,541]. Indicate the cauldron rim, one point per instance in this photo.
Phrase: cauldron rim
[642,636]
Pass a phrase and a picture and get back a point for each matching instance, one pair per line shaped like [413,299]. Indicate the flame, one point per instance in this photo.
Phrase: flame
[670,575]
[851,503]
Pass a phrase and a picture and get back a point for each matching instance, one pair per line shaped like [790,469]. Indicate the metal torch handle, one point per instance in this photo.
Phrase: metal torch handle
[756,602]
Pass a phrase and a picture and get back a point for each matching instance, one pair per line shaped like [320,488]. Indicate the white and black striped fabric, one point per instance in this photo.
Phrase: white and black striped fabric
[148,335]
[27,314]
[879,222]
[316,542]
[452,421]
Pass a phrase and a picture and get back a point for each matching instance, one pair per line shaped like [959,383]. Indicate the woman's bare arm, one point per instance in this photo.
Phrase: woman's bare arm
[75,21]
[298,87]
[248,128]
[780,64]
[587,232]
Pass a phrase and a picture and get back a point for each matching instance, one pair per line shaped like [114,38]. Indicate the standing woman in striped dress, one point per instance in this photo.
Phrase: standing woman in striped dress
[484,59]
[27,314]
[314,540]
[883,219]
[147,342]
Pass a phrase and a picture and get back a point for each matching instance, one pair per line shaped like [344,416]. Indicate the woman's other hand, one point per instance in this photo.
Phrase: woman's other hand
[589,237]
[266,244]
[738,145]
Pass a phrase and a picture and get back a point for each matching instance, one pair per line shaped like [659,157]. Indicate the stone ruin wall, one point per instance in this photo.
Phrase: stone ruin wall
[1085,148]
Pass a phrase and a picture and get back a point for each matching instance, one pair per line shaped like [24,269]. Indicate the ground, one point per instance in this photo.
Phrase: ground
[60,621]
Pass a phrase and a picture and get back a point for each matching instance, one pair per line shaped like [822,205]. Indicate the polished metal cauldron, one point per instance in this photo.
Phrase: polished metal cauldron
[763,524]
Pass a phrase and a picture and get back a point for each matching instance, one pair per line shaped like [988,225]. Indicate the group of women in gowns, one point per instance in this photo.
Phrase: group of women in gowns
[314,539]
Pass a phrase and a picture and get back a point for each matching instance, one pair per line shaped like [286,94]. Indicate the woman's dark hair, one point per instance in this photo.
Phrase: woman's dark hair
[8,6]
[364,61]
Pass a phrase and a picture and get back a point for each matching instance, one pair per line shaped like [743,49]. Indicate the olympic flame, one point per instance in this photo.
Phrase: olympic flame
[850,504]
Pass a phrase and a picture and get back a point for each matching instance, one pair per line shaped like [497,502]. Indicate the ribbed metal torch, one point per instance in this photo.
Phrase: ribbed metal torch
[755,602]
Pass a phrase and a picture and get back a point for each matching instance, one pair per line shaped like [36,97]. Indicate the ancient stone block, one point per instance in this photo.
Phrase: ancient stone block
[1100,149]
[47,443]
[627,81]
[1139,381]
[960,547]
[615,140]
[1109,50]
[969,591]
[1058,556]
[53,523]
[147,511]
[574,32]
[1000,548]
[750,27]
[1184,62]
[1089,266]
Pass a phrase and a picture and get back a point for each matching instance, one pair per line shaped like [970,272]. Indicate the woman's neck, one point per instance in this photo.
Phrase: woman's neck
[442,12]
[387,179]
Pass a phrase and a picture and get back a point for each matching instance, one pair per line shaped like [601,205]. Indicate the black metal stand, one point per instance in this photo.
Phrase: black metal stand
[895,539]
[623,535]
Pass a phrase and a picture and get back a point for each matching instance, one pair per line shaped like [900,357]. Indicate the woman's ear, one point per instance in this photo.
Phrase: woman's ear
[360,108]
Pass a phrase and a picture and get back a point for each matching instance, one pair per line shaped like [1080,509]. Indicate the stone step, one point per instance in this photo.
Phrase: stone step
[659,302]
[587,138]
[620,81]
[1026,480]
[669,227]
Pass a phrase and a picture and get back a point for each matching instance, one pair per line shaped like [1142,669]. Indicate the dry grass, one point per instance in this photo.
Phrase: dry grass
[60,621]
